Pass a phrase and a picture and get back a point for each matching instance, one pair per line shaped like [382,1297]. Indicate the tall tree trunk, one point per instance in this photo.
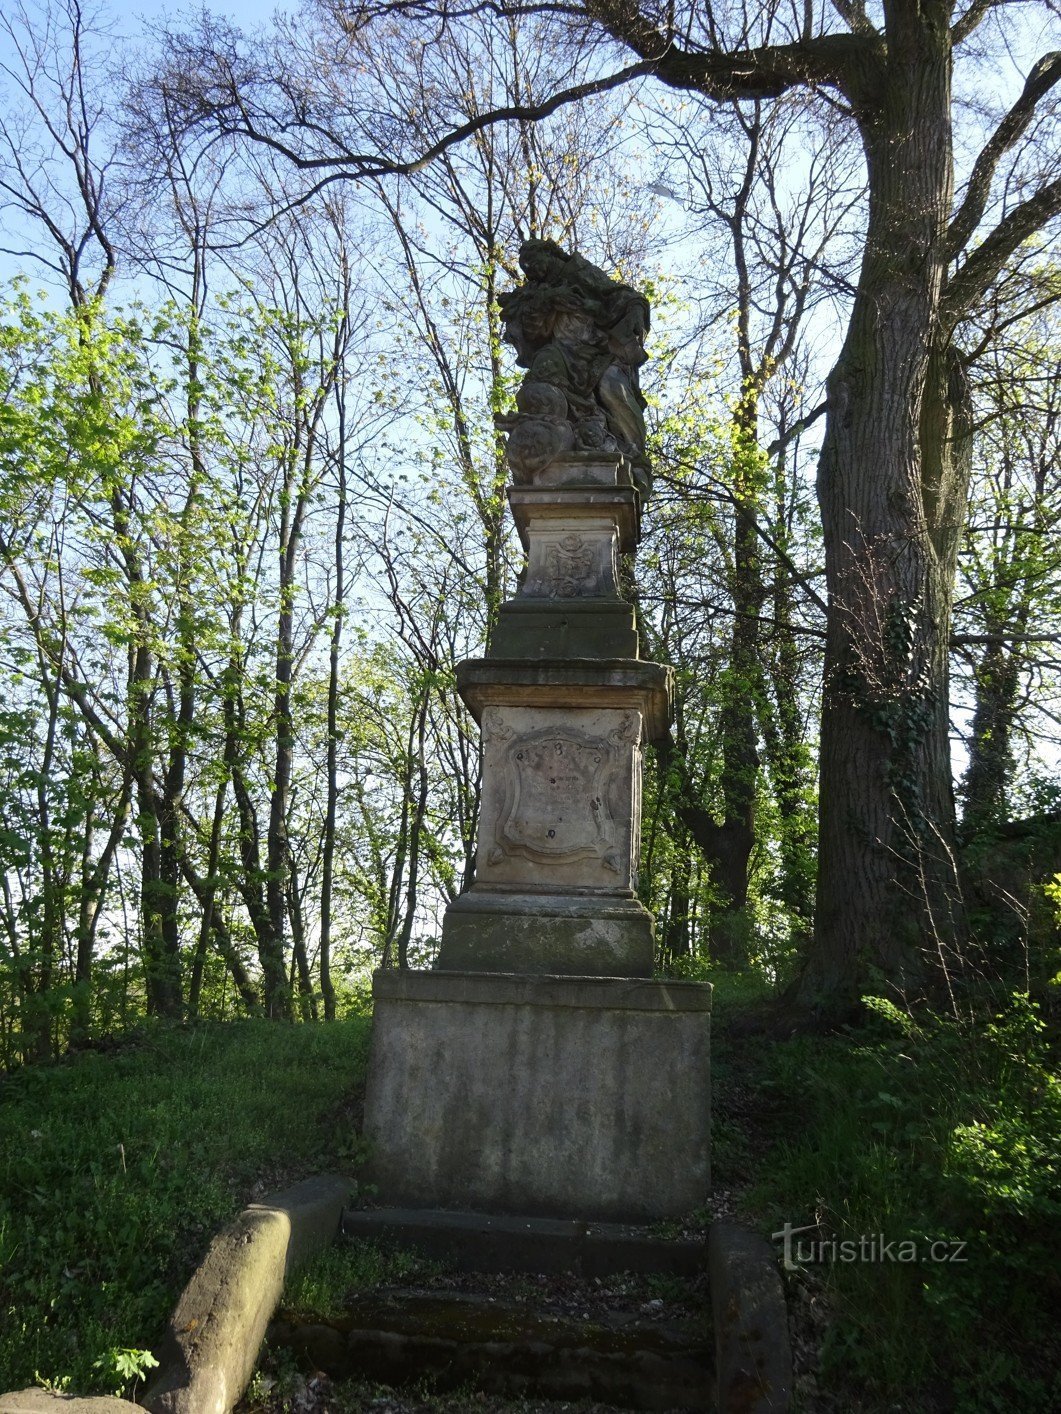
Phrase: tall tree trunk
[270,946]
[205,890]
[182,726]
[37,1003]
[891,499]
[788,761]
[331,765]
[160,942]
[990,768]
[294,498]
[788,755]
[417,766]
[90,905]
[677,939]
[738,720]
[307,1001]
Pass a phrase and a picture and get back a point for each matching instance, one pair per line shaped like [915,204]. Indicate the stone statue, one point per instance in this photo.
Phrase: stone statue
[581,337]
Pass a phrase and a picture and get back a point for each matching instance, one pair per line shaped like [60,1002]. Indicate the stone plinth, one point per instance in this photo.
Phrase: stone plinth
[581,935]
[548,629]
[568,605]
[558,845]
[621,505]
[558,682]
[553,1096]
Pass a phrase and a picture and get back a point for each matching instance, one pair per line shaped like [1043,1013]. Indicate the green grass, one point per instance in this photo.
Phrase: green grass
[324,1287]
[923,1130]
[117,1169]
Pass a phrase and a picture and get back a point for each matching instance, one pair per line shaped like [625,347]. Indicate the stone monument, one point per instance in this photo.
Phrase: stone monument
[538,1068]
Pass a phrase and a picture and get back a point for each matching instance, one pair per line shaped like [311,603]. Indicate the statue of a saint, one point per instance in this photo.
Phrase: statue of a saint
[581,337]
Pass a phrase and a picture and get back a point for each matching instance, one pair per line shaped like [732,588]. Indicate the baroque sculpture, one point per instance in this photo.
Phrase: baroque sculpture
[581,337]
[521,1073]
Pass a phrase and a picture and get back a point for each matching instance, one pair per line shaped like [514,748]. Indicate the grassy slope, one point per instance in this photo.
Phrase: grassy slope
[116,1169]
[921,1131]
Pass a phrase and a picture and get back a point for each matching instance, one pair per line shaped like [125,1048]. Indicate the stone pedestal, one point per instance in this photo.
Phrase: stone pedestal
[552,1096]
[566,707]
[556,867]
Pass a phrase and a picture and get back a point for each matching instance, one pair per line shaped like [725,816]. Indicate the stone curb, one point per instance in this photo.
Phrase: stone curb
[211,1347]
[215,1333]
[753,1358]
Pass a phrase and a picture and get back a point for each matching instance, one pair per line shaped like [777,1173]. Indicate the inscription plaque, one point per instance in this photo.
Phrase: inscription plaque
[558,805]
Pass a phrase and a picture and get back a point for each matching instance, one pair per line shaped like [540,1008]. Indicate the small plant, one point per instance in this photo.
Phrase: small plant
[128,1366]
[664,1287]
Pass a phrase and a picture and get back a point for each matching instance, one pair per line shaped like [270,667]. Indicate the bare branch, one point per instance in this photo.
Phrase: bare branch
[235,119]
[797,429]
[830,60]
[853,13]
[973,17]
[985,262]
[1044,76]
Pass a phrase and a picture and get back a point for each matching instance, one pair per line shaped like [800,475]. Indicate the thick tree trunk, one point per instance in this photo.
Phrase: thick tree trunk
[890,494]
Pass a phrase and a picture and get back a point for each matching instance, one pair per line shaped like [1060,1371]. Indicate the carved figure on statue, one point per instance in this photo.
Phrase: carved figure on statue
[581,337]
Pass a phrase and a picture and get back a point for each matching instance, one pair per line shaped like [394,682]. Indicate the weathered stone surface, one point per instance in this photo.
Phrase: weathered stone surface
[561,789]
[577,469]
[583,683]
[581,337]
[753,1356]
[462,1340]
[572,557]
[40,1401]
[545,629]
[549,1096]
[579,935]
[212,1344]
[620,503]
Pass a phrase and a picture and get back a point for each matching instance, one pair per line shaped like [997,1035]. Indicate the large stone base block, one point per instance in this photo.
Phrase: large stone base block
[552,1096]
[585,936]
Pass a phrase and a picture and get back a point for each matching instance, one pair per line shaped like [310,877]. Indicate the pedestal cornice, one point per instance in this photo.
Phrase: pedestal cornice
[570,682]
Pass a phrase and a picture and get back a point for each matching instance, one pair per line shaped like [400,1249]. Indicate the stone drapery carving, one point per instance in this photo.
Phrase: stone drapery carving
[581,337]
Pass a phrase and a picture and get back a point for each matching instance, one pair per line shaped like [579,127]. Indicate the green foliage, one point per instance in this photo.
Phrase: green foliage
[116,1169]
[324,1287]
[918,1128]
[126,1366]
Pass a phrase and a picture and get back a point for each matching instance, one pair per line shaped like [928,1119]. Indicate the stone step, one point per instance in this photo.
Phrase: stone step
[496,1243]
[459,1340]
